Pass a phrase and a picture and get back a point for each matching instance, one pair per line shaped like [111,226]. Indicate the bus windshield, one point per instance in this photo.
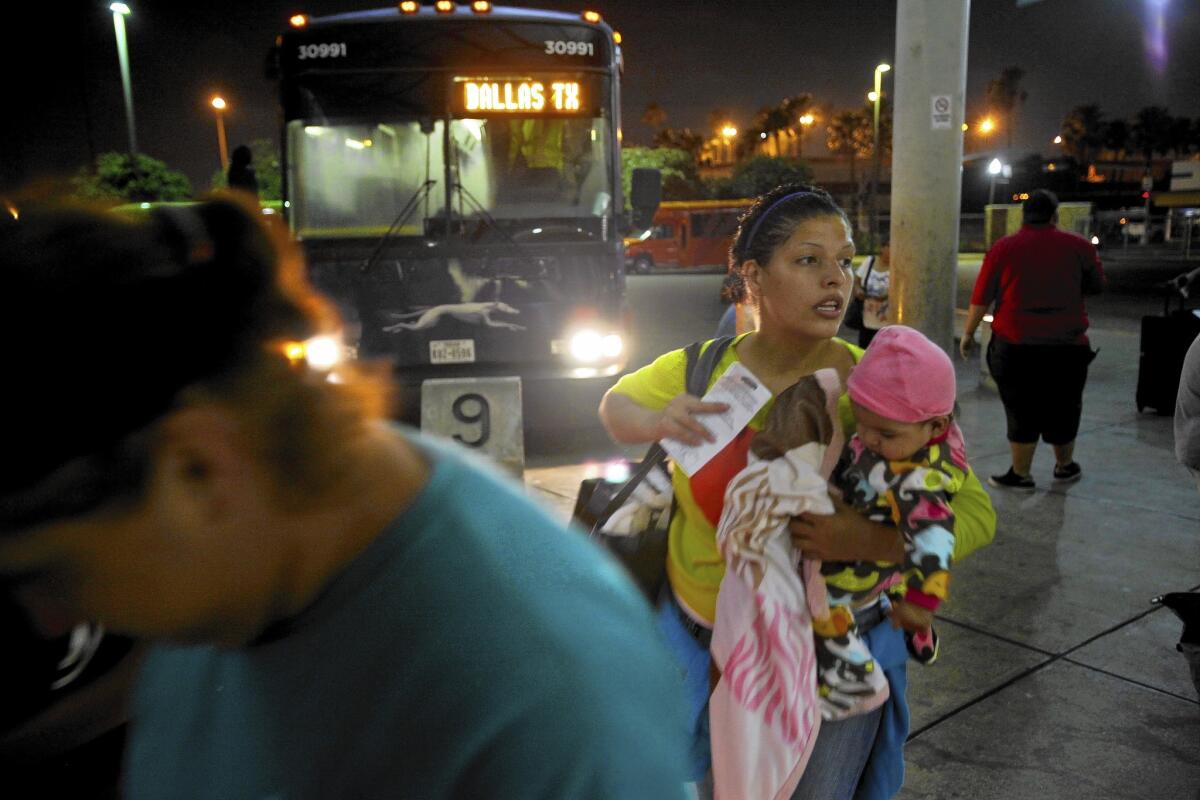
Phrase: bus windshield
[354,179]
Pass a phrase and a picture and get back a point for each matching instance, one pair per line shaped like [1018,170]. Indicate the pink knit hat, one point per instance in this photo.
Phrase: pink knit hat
[903,376]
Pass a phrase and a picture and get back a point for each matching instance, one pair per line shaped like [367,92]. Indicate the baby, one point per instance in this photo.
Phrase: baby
[902,466]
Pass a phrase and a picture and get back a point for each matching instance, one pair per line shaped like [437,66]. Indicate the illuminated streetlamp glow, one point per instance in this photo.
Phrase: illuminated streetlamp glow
[805,121]
[987,125]
[119,12]
[875,97]
[727,134]
[994,168]
[218,103]
[1058,139]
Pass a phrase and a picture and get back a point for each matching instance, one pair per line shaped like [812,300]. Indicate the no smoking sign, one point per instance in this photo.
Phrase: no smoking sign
[940,116]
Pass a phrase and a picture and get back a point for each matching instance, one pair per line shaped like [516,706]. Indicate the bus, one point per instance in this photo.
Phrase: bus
[686,233]
[452,173]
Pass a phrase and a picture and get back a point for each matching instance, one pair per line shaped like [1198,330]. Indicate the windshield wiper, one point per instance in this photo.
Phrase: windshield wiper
[401,218]
[492,222]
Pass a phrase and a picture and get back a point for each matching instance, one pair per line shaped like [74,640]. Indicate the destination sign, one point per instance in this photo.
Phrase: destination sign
[521,96]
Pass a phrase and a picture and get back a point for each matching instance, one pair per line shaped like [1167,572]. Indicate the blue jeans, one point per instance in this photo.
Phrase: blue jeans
[843,749]
[872,742]
[838,758]
[692,660]
[884,773]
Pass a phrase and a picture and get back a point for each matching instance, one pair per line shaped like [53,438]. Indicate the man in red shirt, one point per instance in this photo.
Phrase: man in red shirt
[1039,351]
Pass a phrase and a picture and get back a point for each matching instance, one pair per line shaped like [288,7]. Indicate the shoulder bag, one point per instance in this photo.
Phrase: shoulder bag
[631,519]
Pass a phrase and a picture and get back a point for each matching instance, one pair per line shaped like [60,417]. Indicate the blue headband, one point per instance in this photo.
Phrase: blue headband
[770,208]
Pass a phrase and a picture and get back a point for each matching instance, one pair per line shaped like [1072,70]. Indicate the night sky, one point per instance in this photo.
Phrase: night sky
[690,57]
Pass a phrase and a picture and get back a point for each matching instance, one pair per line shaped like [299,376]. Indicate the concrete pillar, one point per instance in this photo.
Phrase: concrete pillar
[927,143]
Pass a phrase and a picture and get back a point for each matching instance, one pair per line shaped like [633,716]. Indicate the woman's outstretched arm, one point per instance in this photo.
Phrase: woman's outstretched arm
[631,423]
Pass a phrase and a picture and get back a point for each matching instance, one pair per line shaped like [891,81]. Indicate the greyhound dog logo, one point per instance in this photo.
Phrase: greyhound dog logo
[474,313]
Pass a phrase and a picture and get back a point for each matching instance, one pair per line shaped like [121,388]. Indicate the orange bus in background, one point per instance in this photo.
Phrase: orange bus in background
[686,233]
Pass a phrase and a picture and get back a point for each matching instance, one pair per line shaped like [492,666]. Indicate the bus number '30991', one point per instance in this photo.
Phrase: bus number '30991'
[561,48]
[331,50]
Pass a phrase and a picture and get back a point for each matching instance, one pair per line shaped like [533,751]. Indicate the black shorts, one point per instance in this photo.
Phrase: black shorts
[1041,386]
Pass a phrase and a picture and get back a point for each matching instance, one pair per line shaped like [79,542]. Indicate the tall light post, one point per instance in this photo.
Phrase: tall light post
[728,134]
[994,167]
[805,121]
[119,12]
[218,103]
[878,96]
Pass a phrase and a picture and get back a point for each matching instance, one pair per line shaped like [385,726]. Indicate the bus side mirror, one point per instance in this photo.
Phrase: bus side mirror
[644,196]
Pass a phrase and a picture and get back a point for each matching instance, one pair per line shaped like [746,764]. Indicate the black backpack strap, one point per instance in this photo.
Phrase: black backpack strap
[699,370]
[701,365]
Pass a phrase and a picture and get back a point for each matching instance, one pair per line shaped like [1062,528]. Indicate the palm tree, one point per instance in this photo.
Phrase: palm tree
[1116,137]
[654,116]
[1179,136]
[718,118]
[684,139]
[772,120]
[1004,95]
[1150,132]
[795,107]
[849,134]
[1083,132]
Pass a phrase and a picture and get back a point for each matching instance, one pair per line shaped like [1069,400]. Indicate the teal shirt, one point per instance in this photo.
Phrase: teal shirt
[475,649]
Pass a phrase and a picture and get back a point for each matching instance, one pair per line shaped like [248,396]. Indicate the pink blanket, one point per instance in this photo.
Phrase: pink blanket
[763,713]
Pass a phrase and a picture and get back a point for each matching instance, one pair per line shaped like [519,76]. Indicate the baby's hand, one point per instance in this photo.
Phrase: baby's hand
[911,617]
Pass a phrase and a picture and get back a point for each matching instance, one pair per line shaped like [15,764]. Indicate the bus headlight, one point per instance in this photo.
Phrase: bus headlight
[589,346]
[323,353]
[320,353]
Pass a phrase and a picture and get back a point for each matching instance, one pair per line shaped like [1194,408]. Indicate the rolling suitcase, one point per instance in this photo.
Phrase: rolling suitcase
[1164,342]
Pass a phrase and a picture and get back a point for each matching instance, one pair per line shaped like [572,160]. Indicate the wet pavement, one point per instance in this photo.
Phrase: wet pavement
[1057,677]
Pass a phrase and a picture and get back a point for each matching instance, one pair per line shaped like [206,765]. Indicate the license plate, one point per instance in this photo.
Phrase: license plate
[452,351]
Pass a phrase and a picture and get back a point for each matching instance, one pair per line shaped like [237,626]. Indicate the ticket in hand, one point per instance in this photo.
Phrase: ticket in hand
[744,394]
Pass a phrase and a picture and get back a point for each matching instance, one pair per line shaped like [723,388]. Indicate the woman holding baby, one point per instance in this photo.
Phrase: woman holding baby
[791,259]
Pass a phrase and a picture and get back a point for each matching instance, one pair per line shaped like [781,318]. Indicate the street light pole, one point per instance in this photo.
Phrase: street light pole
[994,168]
[728,134]
[805,121]
[879,70]
[1147,185]
[219,104]
[119,12]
